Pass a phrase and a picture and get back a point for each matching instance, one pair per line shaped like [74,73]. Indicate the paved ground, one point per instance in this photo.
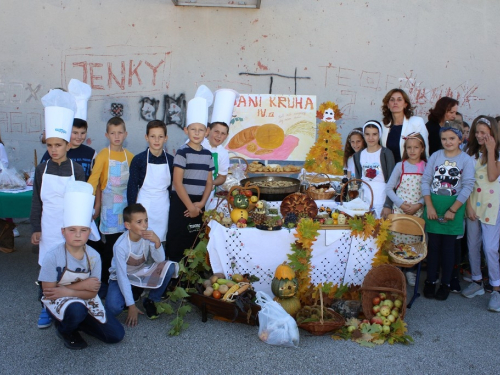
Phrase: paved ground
[453,337]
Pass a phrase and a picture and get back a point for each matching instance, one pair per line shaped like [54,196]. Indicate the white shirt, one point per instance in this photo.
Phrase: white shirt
[222,159]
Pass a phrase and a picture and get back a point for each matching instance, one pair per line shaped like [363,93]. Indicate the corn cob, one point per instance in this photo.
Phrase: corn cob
[230,292]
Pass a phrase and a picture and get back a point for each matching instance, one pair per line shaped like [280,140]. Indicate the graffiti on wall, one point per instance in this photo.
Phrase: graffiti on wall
[117,109]
[149,107]
[272,75]
[110,74]
[174,110]
[353,84]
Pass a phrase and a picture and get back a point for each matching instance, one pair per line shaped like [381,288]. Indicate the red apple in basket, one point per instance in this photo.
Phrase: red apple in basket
[375,309]
[382,296]
[377,320]
[376,301]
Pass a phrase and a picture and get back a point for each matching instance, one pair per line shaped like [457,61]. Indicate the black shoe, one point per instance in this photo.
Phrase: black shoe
[429,290]
[137,293]
[150,308]
[73,341]
[487,287]
[443,292]
[455,285]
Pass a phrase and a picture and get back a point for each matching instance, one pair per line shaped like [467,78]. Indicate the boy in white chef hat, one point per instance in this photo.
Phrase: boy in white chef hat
[51,178]
[192,180]
[71,276]
[217,132]
[79,152]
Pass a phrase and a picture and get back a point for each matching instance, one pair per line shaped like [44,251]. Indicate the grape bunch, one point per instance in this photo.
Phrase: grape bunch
[291,220]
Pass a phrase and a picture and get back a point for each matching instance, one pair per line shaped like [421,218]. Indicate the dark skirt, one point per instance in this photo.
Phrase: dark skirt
[182,231]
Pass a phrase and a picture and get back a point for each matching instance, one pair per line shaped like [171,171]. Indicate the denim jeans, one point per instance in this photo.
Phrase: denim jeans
[115,302]
[77,318]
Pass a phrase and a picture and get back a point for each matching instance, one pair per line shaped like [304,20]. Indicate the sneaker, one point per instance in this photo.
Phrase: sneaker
[474,289]
[466,276]
[15,232]
[429,290]
[73,341]
[44,319]
[494,304]
[411,278]
[443,292]
[150,308]
[455,285]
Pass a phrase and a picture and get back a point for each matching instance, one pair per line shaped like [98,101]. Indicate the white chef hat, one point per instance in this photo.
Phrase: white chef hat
[60,108]
[197,109]
[78,204]
[82,92]
[224,105]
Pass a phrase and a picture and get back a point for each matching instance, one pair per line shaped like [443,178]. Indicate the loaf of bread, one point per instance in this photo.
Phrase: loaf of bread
[242,138]
[299,204]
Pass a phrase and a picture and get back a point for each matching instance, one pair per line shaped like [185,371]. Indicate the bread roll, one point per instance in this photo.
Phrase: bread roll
[242,138]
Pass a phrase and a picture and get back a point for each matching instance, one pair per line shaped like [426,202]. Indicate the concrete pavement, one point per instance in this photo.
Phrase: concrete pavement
[456,336]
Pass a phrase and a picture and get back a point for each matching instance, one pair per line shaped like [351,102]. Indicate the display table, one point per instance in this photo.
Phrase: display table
[337,256]
[16,204]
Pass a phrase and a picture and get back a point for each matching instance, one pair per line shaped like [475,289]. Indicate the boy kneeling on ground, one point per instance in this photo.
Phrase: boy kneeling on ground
[132,271]
[71,276]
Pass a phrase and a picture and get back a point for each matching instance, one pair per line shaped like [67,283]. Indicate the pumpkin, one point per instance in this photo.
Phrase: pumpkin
[284,271]
[290,305]
[238,213]
[241,201]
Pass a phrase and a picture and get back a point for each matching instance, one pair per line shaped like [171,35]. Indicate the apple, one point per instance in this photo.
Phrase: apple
[365,321]
[375,309]
[389,303]
[322,221]
[398,303]
[387,322]
[391,318]
[395,313]
[362,325]
[382,296]
[379,314]
[377,320]
[351,328]
[385,310]
[386,329]
[376,301]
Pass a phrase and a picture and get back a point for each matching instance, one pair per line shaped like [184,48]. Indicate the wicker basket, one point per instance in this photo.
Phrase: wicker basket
[384,278]
[239,158]
[419,247]
[320,328]
[316,195]
[247,186]
[359,180]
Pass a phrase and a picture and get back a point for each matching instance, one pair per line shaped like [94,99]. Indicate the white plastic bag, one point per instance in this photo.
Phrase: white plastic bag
[10,179]
[276,326]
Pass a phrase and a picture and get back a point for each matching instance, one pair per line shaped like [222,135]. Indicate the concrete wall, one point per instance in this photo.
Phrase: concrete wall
[351,52]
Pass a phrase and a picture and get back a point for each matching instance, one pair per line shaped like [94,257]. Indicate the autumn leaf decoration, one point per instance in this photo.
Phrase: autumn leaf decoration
[366,227]
[300,258]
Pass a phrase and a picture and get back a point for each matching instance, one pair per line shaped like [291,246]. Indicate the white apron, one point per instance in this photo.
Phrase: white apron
[58,306]
[145,275]
[52,197]
[153,195]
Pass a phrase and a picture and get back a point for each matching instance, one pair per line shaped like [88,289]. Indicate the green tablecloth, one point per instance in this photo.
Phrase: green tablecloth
[15,205]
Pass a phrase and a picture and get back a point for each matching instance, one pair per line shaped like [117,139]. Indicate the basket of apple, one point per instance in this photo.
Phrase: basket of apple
[383,293]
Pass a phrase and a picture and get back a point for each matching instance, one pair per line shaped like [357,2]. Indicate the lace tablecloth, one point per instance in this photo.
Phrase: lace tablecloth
[336,256]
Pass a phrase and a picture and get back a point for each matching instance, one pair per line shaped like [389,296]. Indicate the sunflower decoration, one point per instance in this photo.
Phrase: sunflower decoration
[326,155]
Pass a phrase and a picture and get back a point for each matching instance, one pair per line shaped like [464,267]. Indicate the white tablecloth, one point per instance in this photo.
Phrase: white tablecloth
[336,255]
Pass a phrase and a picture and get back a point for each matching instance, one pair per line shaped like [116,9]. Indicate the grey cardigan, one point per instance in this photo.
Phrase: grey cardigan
[386,162]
